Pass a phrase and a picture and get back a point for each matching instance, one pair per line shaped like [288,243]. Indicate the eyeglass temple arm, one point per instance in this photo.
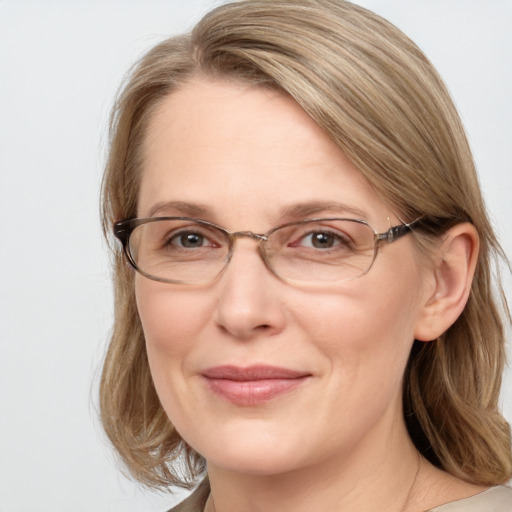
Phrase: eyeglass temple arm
[396,232]
[122,230]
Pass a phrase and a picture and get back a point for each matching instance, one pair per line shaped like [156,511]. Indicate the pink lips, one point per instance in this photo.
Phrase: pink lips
[252,385]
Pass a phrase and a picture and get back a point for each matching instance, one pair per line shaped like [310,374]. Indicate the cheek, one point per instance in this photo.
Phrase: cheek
[171,319]
[361,328]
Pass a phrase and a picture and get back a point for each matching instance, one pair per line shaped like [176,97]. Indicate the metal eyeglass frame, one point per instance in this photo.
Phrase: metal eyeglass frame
[124,228]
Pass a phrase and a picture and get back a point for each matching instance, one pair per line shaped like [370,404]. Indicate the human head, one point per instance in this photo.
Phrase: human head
[376,95]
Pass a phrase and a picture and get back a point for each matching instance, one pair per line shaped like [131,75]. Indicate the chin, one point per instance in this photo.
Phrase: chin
[253,449]
[254,461]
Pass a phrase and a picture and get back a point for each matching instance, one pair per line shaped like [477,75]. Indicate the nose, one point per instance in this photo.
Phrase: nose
[250,301]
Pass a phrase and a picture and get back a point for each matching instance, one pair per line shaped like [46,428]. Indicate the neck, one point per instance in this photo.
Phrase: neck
[375,477]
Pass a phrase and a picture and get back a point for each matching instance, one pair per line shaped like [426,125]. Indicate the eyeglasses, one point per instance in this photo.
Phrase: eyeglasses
[183,250]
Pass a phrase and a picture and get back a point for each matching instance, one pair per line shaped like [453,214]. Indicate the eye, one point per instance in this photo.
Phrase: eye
[190,240]
[322,240]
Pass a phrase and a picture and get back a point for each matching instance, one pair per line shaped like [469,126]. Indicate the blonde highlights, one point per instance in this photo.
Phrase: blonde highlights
[378,97]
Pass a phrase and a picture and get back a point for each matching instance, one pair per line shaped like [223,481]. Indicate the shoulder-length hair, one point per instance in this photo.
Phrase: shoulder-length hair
[379,98]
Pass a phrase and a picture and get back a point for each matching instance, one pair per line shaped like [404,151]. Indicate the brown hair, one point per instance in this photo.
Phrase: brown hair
[375,93]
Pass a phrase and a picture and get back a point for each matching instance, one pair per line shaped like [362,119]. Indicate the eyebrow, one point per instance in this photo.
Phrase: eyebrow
[309,209]
[300,211]
[181,207]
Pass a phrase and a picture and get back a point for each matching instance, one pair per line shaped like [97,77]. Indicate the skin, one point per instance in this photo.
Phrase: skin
[247,156]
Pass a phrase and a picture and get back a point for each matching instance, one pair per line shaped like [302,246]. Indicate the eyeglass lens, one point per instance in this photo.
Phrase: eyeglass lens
[188,251]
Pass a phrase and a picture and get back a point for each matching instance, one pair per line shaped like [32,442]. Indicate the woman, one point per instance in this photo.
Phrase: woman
[312,320]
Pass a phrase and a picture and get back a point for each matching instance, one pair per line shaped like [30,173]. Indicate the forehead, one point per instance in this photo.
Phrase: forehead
[235,149]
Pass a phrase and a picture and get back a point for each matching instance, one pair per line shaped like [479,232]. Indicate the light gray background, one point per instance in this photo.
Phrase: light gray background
[60,64]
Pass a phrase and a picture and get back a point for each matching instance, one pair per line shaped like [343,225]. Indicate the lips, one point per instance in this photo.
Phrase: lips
[252,385]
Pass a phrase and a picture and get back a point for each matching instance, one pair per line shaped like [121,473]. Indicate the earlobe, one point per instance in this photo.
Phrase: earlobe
[453,273]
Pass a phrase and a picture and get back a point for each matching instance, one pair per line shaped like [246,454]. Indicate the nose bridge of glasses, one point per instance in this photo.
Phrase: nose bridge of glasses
[259,238]
[249,234]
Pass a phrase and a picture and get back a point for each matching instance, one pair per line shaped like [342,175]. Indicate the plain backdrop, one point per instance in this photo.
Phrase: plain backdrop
[60,65]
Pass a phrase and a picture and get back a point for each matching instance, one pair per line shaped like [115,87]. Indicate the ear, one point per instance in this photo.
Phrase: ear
[454,268]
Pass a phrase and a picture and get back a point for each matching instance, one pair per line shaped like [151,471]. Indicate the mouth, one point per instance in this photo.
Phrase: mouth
[253,385]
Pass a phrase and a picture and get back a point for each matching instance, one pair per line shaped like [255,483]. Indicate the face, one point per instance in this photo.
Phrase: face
[258,375]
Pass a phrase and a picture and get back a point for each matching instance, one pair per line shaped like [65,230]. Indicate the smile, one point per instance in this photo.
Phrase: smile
[254,385]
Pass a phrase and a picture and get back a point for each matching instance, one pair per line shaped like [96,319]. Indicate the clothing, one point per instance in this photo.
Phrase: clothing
[196,501]
[494,499]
